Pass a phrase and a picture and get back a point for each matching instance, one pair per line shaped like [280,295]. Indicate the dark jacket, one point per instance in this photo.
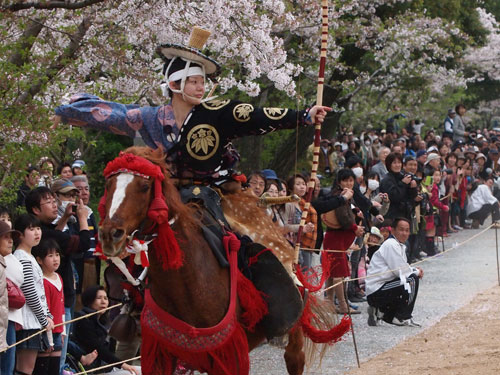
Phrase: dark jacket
[69,244]
[364,204]
[92,334]
[401,195]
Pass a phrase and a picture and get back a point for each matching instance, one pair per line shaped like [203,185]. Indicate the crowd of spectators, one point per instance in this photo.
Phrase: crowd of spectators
[48,255]
[394,192]
[401,183]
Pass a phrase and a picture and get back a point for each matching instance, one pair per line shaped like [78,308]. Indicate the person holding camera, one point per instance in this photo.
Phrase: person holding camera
[400,187]
[42,203]
[433,220]
[417,232]
[66,193]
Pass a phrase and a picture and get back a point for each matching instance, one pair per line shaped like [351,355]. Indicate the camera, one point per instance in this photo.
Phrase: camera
[413,177]
[74,206]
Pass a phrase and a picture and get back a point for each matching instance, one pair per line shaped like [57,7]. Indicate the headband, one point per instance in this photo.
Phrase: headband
[180,75]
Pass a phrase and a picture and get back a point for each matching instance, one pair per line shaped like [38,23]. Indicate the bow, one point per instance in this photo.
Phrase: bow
[317,125]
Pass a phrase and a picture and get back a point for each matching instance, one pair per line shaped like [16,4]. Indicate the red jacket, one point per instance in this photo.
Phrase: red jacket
[55,301]
[435,197]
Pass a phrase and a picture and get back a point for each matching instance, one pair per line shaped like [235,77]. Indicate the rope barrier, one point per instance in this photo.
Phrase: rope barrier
[421,261]
[61,324]
[329,250]
[106,366]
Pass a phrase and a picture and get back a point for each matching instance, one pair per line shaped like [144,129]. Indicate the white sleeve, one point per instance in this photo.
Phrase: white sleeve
[397,263]
[487,196]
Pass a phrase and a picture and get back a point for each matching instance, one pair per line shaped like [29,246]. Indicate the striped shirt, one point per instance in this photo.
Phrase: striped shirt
[35,311]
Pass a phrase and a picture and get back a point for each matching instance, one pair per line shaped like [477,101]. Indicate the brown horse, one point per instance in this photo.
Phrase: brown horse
[196,291]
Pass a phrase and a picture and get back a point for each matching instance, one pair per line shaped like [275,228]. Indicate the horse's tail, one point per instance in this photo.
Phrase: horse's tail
[322,328]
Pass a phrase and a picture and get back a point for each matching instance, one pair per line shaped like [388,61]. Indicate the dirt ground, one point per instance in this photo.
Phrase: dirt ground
[466,341]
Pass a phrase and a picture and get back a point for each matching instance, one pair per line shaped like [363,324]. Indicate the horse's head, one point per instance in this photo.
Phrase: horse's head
[126,206]
[132,182]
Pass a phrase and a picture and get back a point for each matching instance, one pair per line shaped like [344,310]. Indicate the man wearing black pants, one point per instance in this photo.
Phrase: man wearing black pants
[391,283]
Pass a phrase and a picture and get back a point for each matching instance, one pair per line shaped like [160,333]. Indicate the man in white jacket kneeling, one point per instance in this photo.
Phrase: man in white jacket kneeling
[391,283]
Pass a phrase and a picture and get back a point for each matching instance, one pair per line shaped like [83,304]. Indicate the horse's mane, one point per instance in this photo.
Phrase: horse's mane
[185,213]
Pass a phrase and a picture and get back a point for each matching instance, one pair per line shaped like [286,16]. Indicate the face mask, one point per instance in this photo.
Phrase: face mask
[373,185]
[367,143]
[62,208]
[64,204]
[362,189]
[358,171]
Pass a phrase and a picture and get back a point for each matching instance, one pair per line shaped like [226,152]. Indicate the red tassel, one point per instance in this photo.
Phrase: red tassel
[325,267]
[158,210]
[318,336]
[231,242]
[167,248]
[252,302]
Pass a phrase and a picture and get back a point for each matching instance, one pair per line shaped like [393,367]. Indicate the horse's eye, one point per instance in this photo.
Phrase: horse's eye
[145,188]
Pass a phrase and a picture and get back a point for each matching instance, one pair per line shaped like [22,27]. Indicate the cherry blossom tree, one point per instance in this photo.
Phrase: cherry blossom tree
[52,49]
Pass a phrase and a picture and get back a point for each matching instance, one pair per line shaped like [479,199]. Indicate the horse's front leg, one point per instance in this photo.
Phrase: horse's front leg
[295,358]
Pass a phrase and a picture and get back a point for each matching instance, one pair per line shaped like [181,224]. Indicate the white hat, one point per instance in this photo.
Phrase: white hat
[376,232]
[432,156]
[78,164]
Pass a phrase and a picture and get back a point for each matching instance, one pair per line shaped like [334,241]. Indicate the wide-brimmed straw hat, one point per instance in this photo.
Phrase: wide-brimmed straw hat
[191,52]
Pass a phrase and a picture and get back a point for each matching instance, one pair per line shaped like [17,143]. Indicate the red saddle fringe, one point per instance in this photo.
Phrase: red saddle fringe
[319,336]
[252,302]
[218,350]
[325,274]
[231,358]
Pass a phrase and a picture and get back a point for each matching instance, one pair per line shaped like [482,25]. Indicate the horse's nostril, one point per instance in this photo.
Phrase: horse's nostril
[117,234]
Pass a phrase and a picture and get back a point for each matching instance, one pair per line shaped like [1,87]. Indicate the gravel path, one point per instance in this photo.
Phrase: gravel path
[450,281]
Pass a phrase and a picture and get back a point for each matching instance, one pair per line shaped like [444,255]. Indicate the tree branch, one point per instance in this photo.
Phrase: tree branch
[26,40]
[50,5]
[357,89]
[67,55]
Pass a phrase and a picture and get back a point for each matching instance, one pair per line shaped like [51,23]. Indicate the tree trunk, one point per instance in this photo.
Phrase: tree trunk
[62,60]
[25,42]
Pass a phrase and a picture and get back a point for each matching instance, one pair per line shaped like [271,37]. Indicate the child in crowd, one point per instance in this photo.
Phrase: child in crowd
[372,241]
[5,216]
[35,312]
[14,274]
[437,204]
[48,255]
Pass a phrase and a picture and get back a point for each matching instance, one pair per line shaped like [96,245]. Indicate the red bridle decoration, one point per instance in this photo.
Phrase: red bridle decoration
[169,252]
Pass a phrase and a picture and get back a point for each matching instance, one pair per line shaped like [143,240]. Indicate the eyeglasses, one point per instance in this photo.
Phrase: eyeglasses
[52,202]
[68,195]
[257,183]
